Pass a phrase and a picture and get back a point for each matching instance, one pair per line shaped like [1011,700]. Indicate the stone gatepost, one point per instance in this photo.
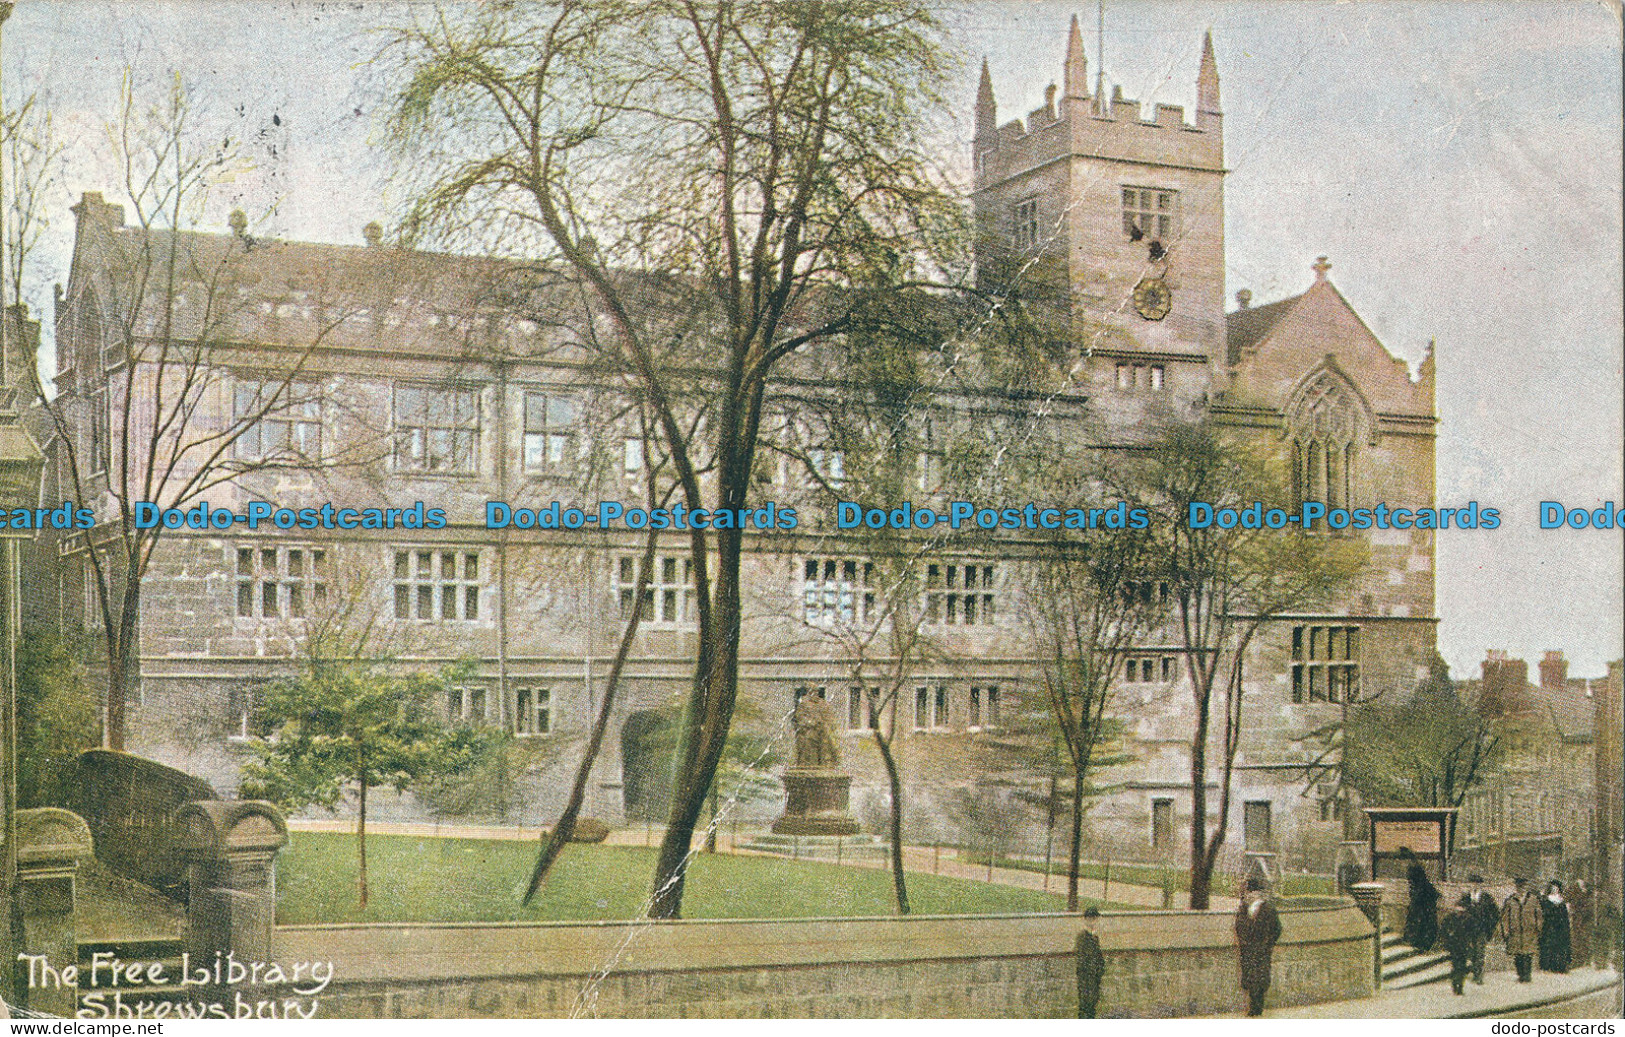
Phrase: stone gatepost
[50,845]
[229,849]
[1368,898]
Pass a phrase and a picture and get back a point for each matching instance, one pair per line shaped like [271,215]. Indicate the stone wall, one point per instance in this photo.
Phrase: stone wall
[1157,964]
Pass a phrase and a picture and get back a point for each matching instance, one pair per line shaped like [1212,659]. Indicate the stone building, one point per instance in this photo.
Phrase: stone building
[1535,814]
[408,381]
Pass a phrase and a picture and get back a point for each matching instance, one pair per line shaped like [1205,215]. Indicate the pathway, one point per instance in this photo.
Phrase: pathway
[1581,994]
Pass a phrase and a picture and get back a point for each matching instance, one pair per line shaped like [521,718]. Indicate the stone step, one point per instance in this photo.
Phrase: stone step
[1435,972]
[1412,963]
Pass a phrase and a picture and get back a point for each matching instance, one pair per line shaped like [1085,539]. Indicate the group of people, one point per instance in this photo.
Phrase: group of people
[1546,927]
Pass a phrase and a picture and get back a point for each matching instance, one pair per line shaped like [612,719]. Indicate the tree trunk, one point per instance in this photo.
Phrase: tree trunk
[1075,854]
[361,848]
[1201,869]
[711,826]
[705,729]
[895,781]
[566,826]
[122,661]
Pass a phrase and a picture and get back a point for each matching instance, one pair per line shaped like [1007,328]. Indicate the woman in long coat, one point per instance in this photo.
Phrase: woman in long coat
[1555,950]
[1422,918]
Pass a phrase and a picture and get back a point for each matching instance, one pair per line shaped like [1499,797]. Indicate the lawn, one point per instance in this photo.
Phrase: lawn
[465,880]
[1155,875]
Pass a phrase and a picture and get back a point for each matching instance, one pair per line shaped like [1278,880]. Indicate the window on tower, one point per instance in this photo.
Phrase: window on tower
[1025,229]
[1150,213]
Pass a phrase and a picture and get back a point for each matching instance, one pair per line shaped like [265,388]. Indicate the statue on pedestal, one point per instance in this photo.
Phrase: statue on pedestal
[815,791]
[815,734]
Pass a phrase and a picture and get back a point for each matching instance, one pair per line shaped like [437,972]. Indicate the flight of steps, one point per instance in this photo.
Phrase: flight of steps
[1405,966]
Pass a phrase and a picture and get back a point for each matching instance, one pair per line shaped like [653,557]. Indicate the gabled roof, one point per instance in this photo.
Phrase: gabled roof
[1273,348]
[1246,327]
[1572,710]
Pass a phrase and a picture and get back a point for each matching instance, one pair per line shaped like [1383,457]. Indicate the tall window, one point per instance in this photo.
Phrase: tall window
[1324,422]
[1141,376]
[669,599]
[862,709]
[960,594]
[1024,219]
[437,585]
[1146,669]
[290,422]
[550,432]
[437,429]
[533,711]
[829,464]
[984,706]
[465,705]
[931,708]
[1150,212]
[97,450]
[836,590]
[280,582]
[242,703]
[1325,664]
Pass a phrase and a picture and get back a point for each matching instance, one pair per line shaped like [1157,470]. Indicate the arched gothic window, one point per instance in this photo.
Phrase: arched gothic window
[1324,427]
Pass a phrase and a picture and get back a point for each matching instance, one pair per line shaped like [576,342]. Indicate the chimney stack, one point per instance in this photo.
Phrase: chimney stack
[1554,670]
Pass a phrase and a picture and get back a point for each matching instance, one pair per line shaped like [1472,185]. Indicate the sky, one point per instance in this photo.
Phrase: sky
[1459,161]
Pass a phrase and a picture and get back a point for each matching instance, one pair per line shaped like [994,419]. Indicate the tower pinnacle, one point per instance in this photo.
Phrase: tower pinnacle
[1207,80]
[1076,80]
[987,114]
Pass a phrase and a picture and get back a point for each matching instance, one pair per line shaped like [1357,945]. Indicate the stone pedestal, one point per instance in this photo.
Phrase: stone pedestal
[229,849]
[815,803]
[50,845]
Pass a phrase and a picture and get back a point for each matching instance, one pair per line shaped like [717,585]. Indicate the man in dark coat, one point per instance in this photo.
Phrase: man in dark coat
[1520,927]
[1485,915]
[1258,926]
[1091,965]
[1457,931]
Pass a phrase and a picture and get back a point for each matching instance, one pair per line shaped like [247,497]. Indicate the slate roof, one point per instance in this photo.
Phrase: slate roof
[1246,328]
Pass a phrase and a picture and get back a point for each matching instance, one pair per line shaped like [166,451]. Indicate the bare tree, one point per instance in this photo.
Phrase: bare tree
[732,182]
[155,415]
[1089,600]
[1226,585]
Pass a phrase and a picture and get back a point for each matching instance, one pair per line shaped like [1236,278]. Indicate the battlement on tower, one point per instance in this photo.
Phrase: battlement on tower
[1075,123]
[1119,131]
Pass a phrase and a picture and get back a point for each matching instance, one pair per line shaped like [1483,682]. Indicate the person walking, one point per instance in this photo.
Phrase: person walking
[1422,917]
[1091,965]
[1481,908]
[1520,927]
[1556,952]
[1258,926]
[1457,930]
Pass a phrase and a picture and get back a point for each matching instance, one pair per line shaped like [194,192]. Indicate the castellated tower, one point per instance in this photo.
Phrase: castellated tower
[1115,219]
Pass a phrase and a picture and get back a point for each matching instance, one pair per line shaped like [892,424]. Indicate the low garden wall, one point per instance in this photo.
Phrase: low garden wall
[1158,963]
